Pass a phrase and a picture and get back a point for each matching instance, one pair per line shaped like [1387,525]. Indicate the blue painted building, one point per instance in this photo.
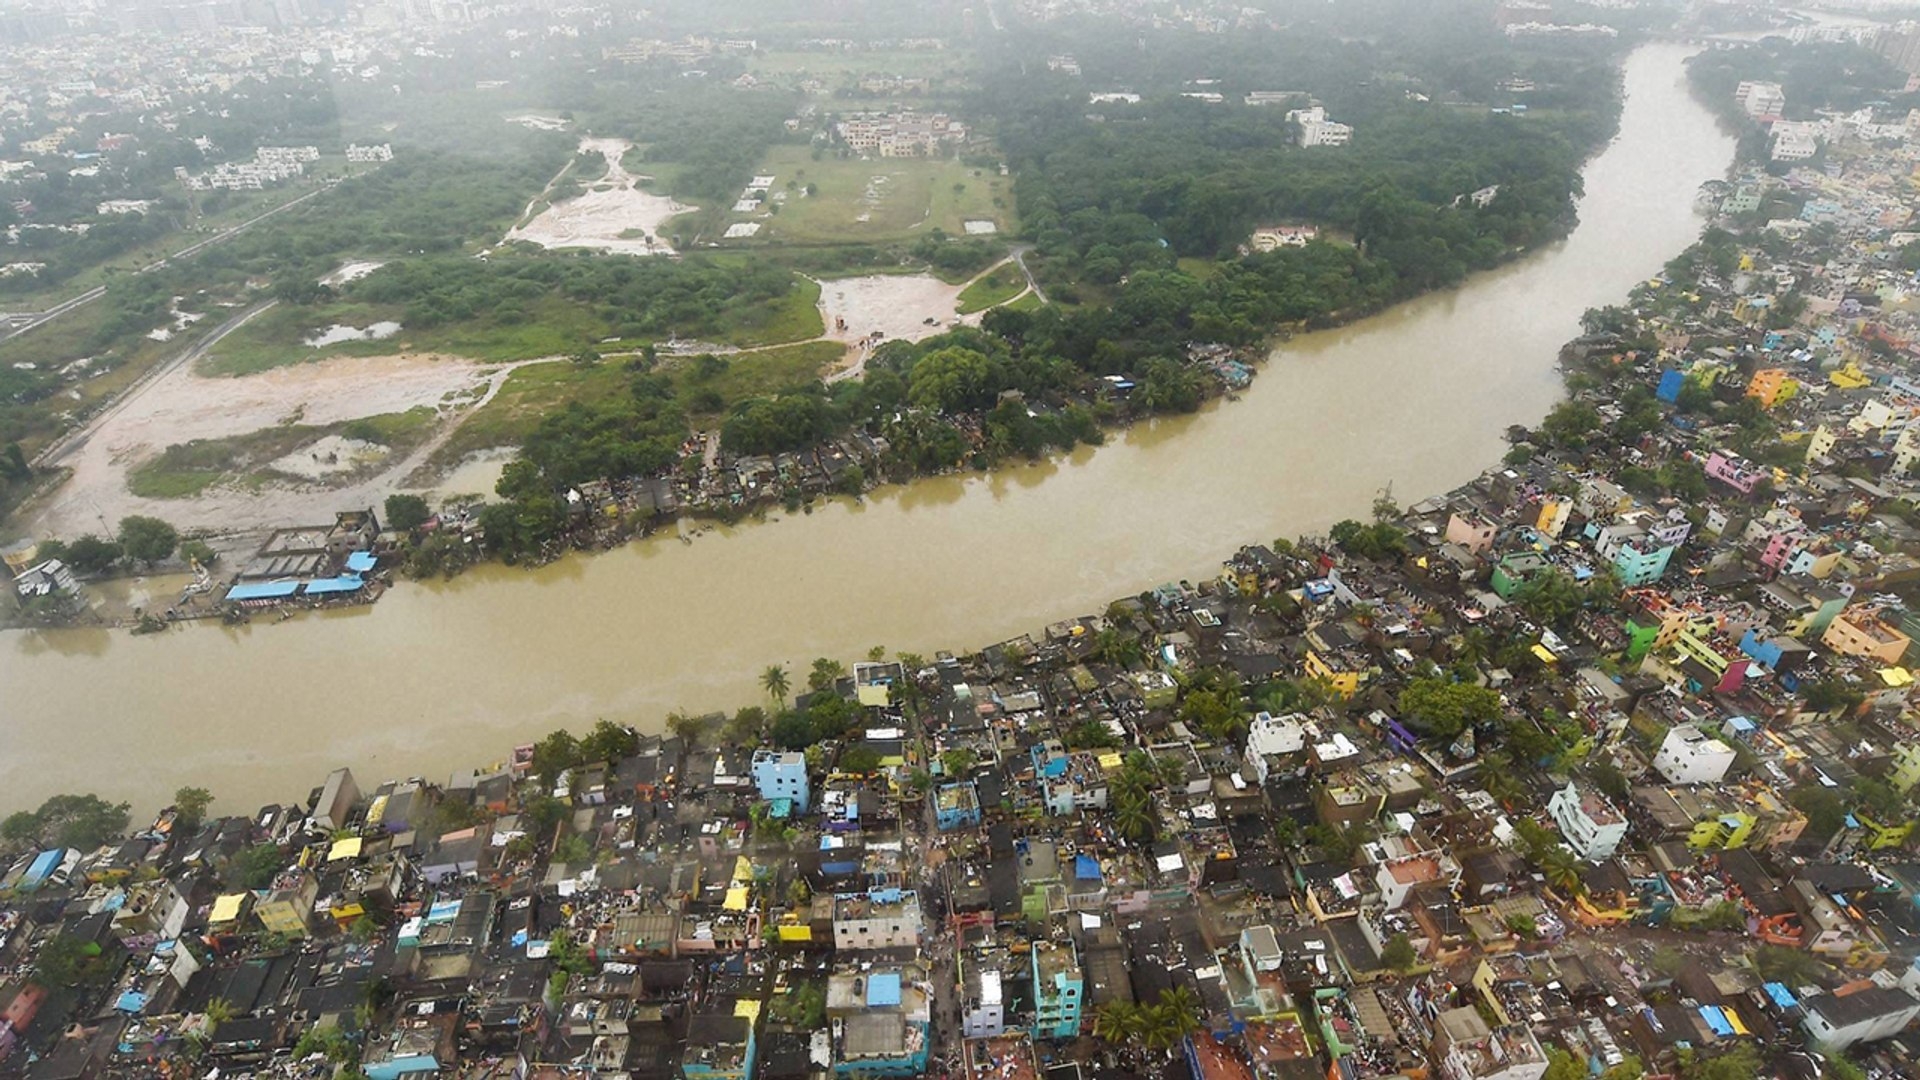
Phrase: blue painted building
[1059,990]
[956,806]
[782,774]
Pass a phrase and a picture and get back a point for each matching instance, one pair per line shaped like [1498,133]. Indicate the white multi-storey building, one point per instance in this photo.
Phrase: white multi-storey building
[1590,824]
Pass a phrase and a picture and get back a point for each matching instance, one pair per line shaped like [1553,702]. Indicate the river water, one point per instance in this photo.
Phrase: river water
[439,676]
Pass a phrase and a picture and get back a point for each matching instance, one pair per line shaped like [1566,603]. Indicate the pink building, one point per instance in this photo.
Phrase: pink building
[1734,472]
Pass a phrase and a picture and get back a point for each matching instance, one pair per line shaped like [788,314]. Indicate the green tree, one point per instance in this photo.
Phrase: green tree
[1552,597]
[825,674]
[198,552]
[146,539]
[406,513]
[1561,1066]
[609,742]
[748,726]
[1398,953]
[1218,712]
[959,761]
[1118,1022]
[1562,870]
[859,759]
[1742,1062]
[554,755]
[190,809]
[1445,708]
[92,555]
[81,821]
[67,961]
[255,867]
[1133,815]
[688,729]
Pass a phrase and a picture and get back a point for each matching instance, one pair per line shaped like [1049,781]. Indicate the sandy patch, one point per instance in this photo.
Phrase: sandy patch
[329,456]
[182,406]
[616,216]
[865,312]
[353,271]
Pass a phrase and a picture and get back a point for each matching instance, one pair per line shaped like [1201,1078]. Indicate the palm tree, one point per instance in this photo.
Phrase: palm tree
[1160,1028]
[1133,816]
[1496,771]
[1562,870]
[774,682]
[218,1011]
[1182,1008]
[1118,1021]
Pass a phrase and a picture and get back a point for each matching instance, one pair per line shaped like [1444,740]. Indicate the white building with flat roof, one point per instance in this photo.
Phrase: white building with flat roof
[1691,756]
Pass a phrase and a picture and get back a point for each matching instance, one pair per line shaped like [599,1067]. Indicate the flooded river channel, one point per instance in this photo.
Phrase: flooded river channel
[441,675]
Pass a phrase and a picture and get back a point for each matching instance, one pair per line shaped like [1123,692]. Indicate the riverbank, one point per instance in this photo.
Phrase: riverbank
[1418,397]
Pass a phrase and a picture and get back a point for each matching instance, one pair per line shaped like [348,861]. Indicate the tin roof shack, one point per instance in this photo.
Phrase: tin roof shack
[1468,1049]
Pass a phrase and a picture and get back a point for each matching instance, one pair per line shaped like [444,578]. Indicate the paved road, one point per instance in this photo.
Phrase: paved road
[42,318]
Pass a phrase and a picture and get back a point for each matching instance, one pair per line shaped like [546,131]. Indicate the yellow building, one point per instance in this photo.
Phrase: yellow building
[1849,377]
[1875,835]
[1906,767]
[1863,633]
[286,910]
[1343,674]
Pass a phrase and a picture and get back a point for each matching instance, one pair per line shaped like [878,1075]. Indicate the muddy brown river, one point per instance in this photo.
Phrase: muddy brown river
[443,675]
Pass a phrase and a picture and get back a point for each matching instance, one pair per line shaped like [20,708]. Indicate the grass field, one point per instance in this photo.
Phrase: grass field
[532,392]
[184,470]
[553,327]
[992,290]
[914,198]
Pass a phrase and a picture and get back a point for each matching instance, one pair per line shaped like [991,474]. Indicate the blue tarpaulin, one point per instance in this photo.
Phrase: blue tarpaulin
[131,1002]
[263,590]
[1782,996]
[1086,868]
[343,583]
[883,991]
[1711,1014]
[360,562]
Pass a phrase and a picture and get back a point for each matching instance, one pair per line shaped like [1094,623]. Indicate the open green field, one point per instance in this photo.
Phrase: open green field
[184,470]
[877,201]
[993,289]
[553,327]
[704,390]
